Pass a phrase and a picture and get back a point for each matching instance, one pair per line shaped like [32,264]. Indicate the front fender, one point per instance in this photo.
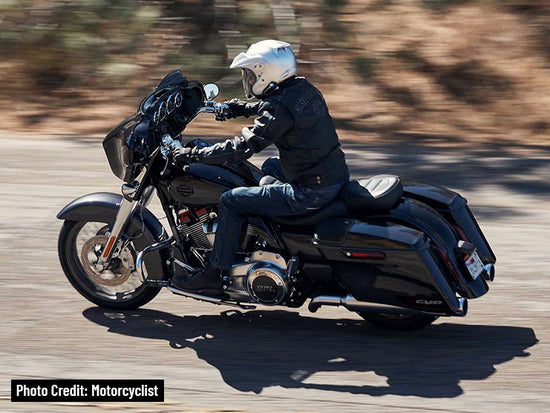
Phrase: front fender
[103,207]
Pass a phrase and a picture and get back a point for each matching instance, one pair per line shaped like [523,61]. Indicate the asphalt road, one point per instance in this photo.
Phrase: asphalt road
[270,359]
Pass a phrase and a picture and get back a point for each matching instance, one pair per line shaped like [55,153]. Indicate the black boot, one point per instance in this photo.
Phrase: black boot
[206,281]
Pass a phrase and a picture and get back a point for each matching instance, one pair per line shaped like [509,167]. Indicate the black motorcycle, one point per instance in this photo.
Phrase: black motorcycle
[397,252]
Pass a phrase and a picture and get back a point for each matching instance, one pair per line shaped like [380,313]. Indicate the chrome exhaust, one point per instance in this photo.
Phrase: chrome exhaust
[351,304]
[462,306]
[489,273]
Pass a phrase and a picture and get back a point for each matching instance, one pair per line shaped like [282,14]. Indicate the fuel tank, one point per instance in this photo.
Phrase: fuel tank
[203,184]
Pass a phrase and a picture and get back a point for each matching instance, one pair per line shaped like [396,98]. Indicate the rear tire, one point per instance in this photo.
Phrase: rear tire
[132,293]
[401,322]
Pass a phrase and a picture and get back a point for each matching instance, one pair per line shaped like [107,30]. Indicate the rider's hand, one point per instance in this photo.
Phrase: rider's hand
[181,155]
[233,109]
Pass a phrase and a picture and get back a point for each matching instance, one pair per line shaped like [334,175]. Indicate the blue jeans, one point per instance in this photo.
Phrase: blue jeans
[269,200]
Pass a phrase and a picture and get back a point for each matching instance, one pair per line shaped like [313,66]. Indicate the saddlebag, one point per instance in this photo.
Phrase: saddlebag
[455,211]
[387,263]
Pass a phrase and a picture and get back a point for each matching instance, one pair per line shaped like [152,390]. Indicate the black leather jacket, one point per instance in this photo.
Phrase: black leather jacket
[296,119]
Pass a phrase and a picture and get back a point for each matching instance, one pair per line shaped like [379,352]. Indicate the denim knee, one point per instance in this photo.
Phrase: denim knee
[225,199]
[229,200]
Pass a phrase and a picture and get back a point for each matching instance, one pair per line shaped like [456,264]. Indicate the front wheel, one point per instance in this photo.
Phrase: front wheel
[398,321]
[119,287]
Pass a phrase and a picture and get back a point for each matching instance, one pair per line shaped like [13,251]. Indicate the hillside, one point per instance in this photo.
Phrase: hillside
[448,70]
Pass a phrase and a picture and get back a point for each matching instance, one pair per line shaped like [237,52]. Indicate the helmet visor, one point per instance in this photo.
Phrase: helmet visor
[249,78]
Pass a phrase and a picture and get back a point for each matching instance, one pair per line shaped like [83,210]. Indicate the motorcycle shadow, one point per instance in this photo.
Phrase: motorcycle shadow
[257,349]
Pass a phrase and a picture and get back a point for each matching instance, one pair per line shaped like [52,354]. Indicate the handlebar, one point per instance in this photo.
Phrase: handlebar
[214,107]
[169,143]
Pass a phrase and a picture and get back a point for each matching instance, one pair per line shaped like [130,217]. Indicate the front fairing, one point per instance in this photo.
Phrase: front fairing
[132,142]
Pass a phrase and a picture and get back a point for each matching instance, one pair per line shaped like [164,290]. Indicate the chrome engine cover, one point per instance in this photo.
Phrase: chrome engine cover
[262,279]
[266,283]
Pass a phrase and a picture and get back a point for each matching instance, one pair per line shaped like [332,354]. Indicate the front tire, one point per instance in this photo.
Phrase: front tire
[121,288]
[401,322]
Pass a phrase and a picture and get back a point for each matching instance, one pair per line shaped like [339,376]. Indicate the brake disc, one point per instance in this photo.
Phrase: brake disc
[119,269]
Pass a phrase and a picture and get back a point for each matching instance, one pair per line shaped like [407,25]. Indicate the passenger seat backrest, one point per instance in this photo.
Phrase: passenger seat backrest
[377,194]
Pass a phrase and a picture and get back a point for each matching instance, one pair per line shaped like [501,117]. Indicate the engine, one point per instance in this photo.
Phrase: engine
[263,279]
[201,223]
[198,224]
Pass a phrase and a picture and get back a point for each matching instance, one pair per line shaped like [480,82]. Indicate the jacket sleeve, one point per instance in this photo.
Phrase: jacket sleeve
[274,121]
[233,150]
[242,108]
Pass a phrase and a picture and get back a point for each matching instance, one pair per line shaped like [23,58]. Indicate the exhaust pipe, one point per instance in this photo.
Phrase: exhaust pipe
[350,303]
[489,273]
[462,307]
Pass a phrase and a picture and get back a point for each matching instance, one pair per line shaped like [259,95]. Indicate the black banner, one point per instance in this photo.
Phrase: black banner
[87,390]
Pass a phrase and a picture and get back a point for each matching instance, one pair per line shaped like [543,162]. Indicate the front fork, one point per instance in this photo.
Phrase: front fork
[132,200]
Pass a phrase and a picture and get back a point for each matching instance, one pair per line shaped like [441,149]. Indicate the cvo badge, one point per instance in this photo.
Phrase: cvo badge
[429,302]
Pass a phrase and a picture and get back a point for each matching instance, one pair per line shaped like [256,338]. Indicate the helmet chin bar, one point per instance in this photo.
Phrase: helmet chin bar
[272,87]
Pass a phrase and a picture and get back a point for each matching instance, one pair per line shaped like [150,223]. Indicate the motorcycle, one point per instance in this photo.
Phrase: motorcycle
[400,253]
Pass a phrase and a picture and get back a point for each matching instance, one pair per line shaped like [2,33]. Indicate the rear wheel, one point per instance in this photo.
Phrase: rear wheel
[119,287]
[398,321]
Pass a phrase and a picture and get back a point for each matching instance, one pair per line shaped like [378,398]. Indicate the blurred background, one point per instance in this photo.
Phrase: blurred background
[449,70]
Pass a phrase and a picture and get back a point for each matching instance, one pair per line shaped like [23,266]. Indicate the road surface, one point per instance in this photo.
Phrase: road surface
[217,359]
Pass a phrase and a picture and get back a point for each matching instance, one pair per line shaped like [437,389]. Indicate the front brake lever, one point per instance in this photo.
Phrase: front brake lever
[165,151]
[166,155]
[168,144]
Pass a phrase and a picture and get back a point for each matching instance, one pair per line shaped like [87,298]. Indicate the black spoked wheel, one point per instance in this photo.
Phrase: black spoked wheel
[119,287]
[398,321]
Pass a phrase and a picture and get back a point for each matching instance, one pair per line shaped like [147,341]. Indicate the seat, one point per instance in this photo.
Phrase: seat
[365,196]
[373,195]
[336,208]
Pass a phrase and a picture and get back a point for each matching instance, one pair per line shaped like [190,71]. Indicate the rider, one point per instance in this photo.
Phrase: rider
[307,175]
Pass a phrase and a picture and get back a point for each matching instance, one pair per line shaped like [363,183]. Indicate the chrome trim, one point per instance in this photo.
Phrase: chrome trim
[274,273]
[238,289]
[462,306]
[210,227]
[489,273]
[185,266]
[129,191]
[350,303]
[147,196]
[212,300]
[198,255]
[147,250]
[123,216]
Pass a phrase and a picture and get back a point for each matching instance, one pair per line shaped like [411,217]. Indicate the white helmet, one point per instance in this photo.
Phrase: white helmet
[264,65]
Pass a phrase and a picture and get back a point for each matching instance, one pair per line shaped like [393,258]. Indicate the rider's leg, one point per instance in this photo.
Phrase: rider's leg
[233,208]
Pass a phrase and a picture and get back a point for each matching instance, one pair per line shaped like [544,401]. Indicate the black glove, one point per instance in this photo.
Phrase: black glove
[182,156]
[235,108]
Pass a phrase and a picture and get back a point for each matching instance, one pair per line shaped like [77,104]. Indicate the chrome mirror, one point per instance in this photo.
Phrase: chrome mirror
[211,90]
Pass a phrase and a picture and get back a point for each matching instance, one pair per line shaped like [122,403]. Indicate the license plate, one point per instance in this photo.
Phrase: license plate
[474,265]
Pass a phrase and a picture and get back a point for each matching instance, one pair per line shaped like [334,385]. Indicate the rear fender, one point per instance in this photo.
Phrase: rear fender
[420,216]
[455,210]
[103,207]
